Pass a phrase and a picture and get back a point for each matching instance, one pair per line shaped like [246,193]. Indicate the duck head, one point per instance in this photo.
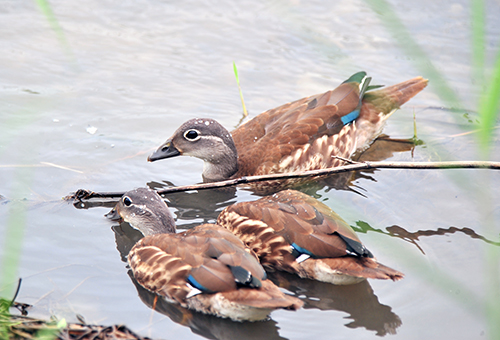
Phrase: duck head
[145,211]
[205,139]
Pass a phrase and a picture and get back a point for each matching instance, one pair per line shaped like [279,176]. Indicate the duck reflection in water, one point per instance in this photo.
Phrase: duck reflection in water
[208,326]
[202,206]
[357,300]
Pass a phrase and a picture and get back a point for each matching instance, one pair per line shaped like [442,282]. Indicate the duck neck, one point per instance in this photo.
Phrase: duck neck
[160,223]
[221,163]
[221,170]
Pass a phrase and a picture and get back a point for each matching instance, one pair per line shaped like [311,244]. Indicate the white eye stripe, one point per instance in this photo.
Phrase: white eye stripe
[212,138]
[192,135]
[200,136]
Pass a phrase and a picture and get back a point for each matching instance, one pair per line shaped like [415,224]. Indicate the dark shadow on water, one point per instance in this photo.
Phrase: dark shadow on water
[125,237]
[358,300]
[413,237]
[410,237]
[95,203]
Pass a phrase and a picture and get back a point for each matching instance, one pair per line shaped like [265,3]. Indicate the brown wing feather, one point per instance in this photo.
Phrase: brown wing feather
[283,131]
[297,218]
[271,247]
[271,224]
[268,296]
[353,266]
[334,222]
[158,271]
[214,276]
[162,263]
[226,247]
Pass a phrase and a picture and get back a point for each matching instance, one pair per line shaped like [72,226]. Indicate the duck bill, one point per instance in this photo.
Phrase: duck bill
[114,215]
[165,150]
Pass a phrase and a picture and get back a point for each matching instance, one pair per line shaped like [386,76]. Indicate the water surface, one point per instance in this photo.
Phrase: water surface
[87,114]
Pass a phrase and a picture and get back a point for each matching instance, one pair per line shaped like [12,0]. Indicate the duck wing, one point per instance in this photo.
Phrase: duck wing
[302,134]
[291,222]
[206,259]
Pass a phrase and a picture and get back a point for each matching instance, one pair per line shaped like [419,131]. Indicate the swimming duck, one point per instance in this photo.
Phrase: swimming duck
[302,135]
[206,268]
[293,232]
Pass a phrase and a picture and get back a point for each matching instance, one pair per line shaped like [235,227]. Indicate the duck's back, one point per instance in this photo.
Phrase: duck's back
[293,232]
[294,136]
[205,256]
[307,134]
[291,218]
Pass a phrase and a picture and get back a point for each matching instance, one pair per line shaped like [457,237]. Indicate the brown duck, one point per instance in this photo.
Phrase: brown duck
[294,232]
[303,135]
[206,268]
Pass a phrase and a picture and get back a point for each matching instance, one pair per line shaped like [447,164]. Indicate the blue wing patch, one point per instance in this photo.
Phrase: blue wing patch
[363,82]
[301,250]
[348,118]
[197,285]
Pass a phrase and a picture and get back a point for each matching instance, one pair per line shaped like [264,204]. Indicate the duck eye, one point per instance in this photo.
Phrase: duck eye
[192,135]
[127,201]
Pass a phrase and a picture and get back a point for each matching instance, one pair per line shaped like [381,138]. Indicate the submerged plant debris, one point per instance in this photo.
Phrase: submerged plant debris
[26,328]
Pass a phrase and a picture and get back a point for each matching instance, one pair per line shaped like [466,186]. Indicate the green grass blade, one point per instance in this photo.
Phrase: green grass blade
[245,113]
[490,88]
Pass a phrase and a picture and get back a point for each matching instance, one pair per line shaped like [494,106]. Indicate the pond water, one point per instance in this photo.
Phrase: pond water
[86,97]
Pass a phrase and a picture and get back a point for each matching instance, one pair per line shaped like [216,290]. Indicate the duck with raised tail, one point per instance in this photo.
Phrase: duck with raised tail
[293,232]
[302,135]
[207,268]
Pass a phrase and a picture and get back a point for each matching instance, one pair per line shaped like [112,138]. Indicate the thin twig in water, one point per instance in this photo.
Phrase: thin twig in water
[83,194]
[347,160]
[61,167]
[17,292]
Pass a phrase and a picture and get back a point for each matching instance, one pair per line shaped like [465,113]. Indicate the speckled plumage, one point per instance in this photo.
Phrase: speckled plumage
[282,227]
[207,268]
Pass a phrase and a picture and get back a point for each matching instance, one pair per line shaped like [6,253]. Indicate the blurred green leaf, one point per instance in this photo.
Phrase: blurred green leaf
[489,109]
[488,87]
[423,63]
[46,10]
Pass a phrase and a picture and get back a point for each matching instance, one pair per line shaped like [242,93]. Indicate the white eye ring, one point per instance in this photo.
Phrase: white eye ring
[127,201]
[192,135]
